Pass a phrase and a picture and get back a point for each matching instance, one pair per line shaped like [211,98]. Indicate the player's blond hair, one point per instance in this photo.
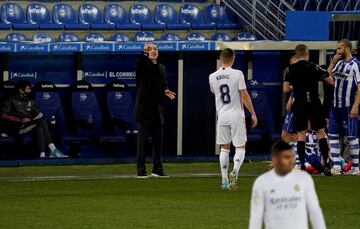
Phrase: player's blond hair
[301,50]
[227,56]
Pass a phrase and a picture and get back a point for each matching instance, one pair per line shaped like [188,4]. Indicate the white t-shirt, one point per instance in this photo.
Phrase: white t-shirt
[226,83]
[283,202]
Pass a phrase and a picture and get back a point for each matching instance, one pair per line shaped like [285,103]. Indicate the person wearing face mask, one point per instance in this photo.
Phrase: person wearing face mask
[343,116]
[21,115]
[152,88]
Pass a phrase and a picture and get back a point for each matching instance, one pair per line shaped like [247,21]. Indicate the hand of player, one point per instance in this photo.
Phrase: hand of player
[354,113]
[335,58]
[25,120]
[254,120]
[171,95]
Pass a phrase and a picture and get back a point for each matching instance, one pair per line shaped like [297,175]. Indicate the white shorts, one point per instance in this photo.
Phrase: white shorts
[235,133]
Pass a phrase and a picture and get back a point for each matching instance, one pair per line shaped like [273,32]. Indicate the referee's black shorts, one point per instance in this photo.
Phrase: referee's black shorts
[308,111]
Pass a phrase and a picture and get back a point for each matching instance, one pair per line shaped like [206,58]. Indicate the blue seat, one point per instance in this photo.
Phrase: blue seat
[38,14]
[221,37]
[245,36]
[65,15]
[42,37]
[191,14]
[120,108]
[141,14]
[216,14]
[94,37]
[90,15]
[15,37]
[170,37]
[266,126]
[144,36]
[68,37]
[166,14]
[195,37]
[116,15]
[49,103]
[119,37]
[12,13]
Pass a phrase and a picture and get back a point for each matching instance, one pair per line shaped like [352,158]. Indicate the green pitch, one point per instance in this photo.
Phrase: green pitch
[109,197]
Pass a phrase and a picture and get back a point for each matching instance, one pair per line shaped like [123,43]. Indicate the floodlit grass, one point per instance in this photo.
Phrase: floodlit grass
[101,197]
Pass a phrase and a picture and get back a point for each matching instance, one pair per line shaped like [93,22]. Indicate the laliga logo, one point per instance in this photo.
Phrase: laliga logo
[118,95]
[11,11]
[46,96]
[62,12]
[83,96]
[214,12]
[164,12]
[139,11]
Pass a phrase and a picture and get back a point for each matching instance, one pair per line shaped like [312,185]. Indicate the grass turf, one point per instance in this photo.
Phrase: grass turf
[96,197]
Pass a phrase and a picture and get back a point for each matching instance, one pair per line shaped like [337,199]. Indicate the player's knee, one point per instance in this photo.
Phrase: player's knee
[321,134]
[225,147]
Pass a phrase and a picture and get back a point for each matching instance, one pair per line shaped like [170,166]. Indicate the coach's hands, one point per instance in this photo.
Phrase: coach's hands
[254,120]
[171,95]
[147,48]
[336,58]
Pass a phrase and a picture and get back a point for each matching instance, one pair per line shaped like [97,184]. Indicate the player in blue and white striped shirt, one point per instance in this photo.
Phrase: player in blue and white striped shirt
[343,118]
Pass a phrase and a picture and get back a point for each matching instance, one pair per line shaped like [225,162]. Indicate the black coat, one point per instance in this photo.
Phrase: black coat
[151,85]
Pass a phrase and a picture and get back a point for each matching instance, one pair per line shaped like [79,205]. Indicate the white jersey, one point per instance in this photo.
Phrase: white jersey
[226,83]
[283,202]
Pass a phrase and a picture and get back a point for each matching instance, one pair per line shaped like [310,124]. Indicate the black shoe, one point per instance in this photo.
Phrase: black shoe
[142,174]
[303,168]
[327,171]
[159,173]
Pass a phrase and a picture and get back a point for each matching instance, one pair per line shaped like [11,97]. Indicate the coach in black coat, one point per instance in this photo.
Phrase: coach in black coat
[152,89]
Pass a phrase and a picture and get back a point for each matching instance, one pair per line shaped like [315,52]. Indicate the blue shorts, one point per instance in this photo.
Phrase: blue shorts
[288,123]
[341,124]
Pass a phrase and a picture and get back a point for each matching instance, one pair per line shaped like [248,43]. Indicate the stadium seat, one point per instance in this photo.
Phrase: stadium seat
[121,108]
[141,14]
[144,36]
[116,15]
[42,37]
[12,13]
[90,15]
[195,37]
[15,37]
[244,36]
[331,5]
[166,14]
[94,37]
[49,103]
[263,111]
[65,15]
[340,6]
[216,14]
[191,14]
[221,37]
[37,13]
[119,37]
[68,37]
[170,37]
[351,5]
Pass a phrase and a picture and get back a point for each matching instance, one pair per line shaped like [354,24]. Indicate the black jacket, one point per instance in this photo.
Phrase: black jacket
[151,85]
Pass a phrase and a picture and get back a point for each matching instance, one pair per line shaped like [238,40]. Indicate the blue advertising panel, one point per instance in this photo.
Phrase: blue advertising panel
[7,47]
[32,47]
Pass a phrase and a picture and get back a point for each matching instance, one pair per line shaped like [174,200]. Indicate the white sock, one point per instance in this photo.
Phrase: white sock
[52,147]
[238,159]
[335,150]
[354,152]
[224,162]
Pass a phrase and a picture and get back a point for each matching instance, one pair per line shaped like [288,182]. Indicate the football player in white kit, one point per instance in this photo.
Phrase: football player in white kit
[283,197]
[228,86]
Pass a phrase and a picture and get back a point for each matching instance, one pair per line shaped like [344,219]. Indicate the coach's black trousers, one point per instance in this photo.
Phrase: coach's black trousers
[144,132]
[42,136]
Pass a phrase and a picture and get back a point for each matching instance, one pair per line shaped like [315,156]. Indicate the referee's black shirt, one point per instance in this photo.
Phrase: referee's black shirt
[304,77]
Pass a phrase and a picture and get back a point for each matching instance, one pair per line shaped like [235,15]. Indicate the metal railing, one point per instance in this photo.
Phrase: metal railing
[265,18]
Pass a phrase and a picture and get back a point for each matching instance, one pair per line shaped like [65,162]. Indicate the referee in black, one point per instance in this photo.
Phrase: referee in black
[152,89]
[304,77]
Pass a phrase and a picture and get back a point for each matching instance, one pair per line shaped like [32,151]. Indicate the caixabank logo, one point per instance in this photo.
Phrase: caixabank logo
[100,47]
[129,46]
[27,75]
[33,48]
[191,46]
[6,47]
[96,74]
[65,47]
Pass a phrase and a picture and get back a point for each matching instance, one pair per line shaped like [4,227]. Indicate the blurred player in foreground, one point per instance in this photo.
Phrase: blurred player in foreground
[231,95]
[283,198]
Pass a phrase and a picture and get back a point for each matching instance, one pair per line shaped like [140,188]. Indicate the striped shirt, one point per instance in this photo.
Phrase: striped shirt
[311,144]
[347,77]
